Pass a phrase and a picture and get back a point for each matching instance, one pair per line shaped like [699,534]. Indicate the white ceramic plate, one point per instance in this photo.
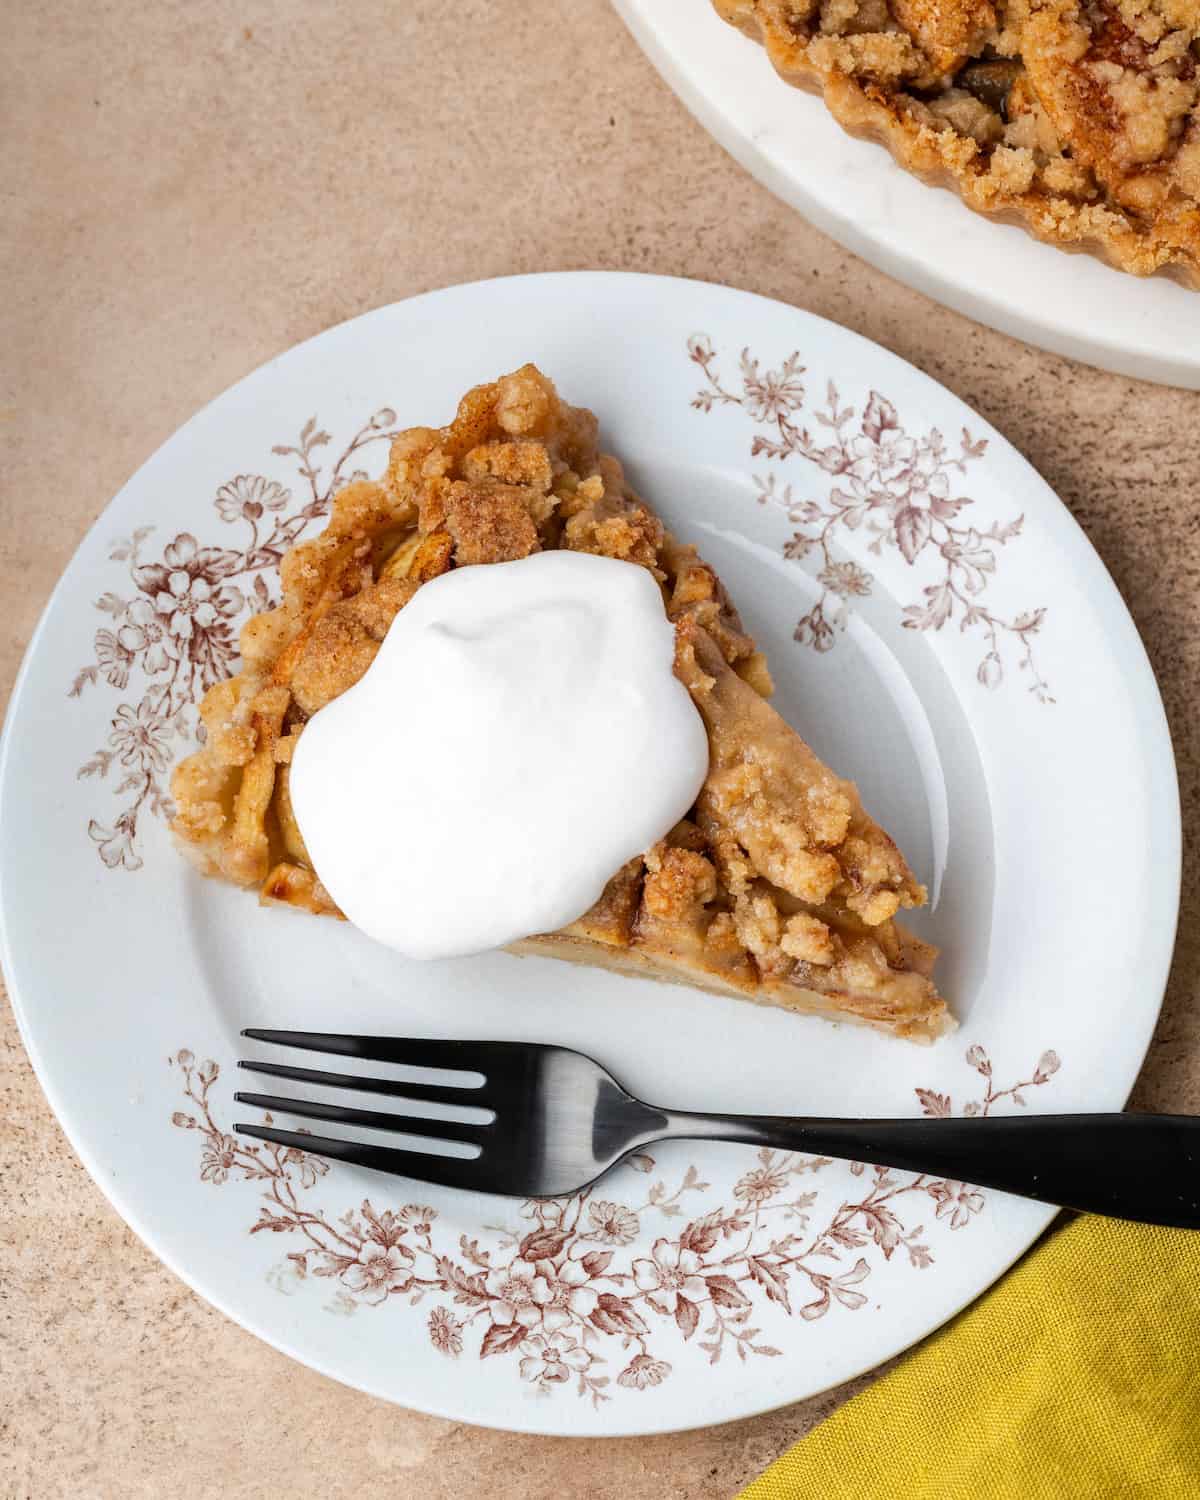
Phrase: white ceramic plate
[1013,740]
[925,237]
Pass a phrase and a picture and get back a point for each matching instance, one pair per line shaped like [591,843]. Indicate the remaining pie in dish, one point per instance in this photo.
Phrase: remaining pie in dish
[1078,118]
[778,887]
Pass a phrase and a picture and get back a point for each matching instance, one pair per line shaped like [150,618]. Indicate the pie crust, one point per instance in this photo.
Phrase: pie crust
[1080,121]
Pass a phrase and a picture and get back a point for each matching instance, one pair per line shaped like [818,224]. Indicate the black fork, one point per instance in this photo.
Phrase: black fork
[560,1120]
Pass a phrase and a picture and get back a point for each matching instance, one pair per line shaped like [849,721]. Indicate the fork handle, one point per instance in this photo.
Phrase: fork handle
[1131,1166]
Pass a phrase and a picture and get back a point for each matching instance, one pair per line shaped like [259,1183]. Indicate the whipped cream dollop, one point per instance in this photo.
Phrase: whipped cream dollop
[519,736]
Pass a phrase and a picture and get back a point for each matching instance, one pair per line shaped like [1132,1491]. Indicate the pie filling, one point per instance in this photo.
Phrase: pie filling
[777,886]
[1081,119]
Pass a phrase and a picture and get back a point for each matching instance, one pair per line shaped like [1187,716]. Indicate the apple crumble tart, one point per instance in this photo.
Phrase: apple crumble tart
[777,887]
[1078,118]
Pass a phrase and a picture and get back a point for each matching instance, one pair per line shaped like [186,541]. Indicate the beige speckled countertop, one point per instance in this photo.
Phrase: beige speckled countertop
[190,190]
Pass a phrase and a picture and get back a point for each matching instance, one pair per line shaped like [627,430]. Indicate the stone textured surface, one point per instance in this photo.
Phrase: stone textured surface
[190,190]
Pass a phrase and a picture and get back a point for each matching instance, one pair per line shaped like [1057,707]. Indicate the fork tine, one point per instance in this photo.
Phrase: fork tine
[443,1171]
[436,1093]
[412,1052]
[372,1119]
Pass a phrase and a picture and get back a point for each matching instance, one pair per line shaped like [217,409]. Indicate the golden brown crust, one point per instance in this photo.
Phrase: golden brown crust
[779,887]
[1079,119]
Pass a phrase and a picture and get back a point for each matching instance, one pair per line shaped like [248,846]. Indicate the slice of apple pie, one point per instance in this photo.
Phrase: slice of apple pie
[778,887]
[1078,118]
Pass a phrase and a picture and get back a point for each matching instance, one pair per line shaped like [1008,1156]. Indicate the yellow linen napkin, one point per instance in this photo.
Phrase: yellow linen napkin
[1078,1376]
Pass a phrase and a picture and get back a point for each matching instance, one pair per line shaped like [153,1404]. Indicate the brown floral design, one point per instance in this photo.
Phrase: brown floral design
[176,634]
[901,491]
[577,1286]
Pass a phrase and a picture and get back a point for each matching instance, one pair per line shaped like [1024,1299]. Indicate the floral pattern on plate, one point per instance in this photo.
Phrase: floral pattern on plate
[175,635]
[578,1288]
[900,490]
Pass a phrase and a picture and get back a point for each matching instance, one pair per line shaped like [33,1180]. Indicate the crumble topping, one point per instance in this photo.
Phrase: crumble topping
[1080,117]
